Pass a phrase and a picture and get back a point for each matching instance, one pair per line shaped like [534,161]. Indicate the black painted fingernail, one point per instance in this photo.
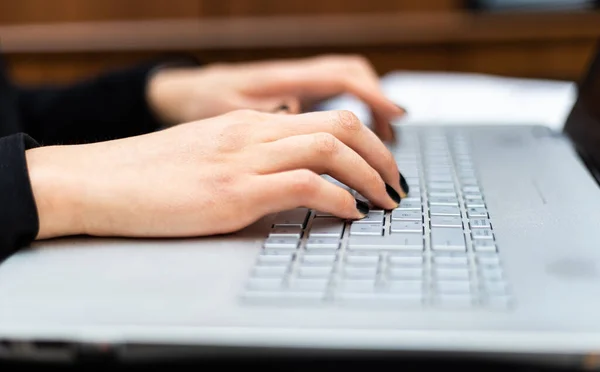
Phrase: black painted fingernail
[402,108]
[404,184]
[283,108]
[362,207]
[393,194]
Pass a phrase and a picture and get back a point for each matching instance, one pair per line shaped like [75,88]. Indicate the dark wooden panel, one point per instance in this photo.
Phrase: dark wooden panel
[558,60]
[43,11]
[296,7]
[301,31]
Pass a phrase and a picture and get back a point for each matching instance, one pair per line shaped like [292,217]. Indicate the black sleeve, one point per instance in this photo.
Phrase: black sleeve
[108,106]
[18,212]
[111,105]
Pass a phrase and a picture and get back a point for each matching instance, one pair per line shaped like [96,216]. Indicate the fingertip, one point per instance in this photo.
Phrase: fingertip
[401,110]
[362,208]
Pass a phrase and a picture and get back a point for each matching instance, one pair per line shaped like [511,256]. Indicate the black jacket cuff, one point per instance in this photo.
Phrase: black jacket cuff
[19,224]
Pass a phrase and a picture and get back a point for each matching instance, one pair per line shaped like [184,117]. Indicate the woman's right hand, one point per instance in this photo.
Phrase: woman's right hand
[212,176]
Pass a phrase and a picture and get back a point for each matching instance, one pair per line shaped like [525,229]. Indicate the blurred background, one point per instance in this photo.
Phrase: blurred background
[54,41]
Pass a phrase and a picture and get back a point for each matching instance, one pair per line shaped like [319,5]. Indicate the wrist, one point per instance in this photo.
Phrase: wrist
[56,191]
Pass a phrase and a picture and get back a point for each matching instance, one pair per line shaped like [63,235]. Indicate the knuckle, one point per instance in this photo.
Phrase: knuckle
[325,143]
[248,116]
[233,136]
[347,202]
[348,121]
[305,183]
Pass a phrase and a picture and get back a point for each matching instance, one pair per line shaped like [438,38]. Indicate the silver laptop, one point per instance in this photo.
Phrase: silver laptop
[495,253]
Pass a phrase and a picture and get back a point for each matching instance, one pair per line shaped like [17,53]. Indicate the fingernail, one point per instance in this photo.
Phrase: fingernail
[404,184]
[362,207]
[393,194]
[402,108]
[283,108]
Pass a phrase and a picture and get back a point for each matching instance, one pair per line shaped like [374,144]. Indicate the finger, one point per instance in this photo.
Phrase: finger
[290,105]
[276,104]
[383,127]
[323,153]
[324,77]
[304,188]
[346,127]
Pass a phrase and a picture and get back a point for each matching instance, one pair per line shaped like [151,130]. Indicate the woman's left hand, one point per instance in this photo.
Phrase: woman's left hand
[181,95]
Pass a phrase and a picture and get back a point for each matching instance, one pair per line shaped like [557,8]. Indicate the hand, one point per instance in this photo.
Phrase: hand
[187,94]
[212,176]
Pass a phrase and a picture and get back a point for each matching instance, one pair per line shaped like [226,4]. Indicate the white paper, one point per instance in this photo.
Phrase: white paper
[466,98]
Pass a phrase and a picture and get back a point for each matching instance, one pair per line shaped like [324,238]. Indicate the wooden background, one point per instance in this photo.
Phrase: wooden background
[63,40]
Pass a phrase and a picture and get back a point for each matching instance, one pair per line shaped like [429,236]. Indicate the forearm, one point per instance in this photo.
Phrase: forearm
[57,191]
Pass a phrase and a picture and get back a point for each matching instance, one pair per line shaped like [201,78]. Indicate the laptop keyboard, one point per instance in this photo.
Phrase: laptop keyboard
[437,248]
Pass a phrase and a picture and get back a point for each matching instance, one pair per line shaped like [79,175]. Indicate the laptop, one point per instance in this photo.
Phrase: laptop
[495,253]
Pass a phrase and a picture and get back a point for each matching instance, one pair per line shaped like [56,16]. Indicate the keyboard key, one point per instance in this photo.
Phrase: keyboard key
[286,232]
[408,204]
[281,243]
[314,272]
[406,226]
[362,260]
[469,189]
[444,210]
[475,204]
[321,252]
[496,287]
[445,273]
[455,300]
[470,181]
[322,243]
[405,260]
[413,181]
[396,241]
[375,229]
[312,284]
[447,239]
[377,300]
[264,284]
[443,201]
[399,214]
[438,186]
[442,194]
[446,221]
[360,272]
[405,286]
[374,216]
[476,212]
[405,272]
[268,259]
[451,261]
[473,197]
[269,271]
[433,170]
[292,217]
[453,286]
[488,259]
[491,274]
[319,260]
[480,223]
[356,285]
[480,234]
[439,178]
[327,227]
